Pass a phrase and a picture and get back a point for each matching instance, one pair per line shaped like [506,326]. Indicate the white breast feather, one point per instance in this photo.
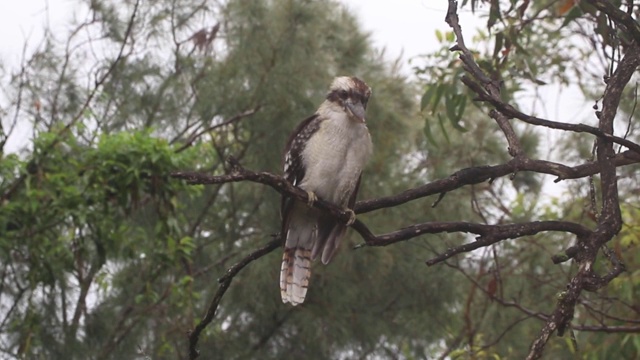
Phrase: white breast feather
[335,156]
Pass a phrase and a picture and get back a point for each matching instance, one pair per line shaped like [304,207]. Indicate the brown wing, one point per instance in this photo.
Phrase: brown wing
[292,163]
[299,222]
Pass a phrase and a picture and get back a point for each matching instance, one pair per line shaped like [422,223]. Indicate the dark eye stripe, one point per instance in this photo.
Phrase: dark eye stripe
[338,95]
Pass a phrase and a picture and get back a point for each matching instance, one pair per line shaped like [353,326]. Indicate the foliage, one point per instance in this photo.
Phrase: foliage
[104,255]
[511,285]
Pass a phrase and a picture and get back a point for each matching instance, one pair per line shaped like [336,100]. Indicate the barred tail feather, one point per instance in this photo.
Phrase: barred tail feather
[309,235]
[301,232]
[294,275]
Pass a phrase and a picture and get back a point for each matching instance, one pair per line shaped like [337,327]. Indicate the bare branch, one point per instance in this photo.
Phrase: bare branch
[620,17]
[98,84]
[224,282]
[278,183]
[609,223]
[512,112]
[480,174]
[488,234]
[193,137]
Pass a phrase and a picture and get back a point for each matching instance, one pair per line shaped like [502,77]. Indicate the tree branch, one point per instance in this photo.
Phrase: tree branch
[193,137]
[224,282]
[81,112]
[620,17]
[238,173]
[480,174]
[609,223]
[512,112]
[489,234]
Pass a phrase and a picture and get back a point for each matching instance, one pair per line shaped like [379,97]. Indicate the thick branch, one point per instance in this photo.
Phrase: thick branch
[489,234]
[610,221]
[512,112]
[276,182]
[479,174]
[619,17]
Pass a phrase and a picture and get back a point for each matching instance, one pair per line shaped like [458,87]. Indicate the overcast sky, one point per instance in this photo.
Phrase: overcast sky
[401,26]
[408,26]
[404,27]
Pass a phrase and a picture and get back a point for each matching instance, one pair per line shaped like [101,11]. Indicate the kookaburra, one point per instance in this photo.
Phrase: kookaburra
[324,156]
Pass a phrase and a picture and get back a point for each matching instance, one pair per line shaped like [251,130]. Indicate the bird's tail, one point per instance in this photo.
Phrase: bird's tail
[295,274]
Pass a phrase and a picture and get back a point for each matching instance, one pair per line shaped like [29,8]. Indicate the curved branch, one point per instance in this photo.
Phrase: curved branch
[479,174]
[224,282]
[488,234]
[238,173]
[619,17]
[197,134]
[510,111]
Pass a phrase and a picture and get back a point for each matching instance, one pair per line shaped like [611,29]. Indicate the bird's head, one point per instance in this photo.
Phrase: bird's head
[351,94]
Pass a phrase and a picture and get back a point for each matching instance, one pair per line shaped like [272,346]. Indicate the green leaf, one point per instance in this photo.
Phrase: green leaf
[426,97]
[499,42]
[443,129]
[459,112]
[439,92]
[450,36]
[494,13]
[428,133]
[573,14]
[439,35]
[455,106]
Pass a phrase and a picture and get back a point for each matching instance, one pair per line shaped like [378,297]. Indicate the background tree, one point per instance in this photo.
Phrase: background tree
[105,256]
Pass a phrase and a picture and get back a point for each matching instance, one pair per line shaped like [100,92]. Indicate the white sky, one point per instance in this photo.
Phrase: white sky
[25,20]
[404,27]
[408,26]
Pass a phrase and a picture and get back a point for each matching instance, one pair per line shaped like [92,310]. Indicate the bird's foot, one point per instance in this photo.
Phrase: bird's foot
[311,198]
[352,216]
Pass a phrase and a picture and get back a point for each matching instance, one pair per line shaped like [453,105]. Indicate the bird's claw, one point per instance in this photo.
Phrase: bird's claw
[311,198]
[352,216]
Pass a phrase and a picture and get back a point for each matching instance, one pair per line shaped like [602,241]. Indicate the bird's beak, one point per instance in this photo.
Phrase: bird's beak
[356,110]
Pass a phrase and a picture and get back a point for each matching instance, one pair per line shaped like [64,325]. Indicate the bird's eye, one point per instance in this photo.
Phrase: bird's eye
[344,94]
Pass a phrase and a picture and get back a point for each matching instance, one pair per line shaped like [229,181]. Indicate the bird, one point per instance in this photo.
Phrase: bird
[324,156]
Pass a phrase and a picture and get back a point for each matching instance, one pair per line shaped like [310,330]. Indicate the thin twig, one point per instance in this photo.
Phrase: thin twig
[80,113]
[224,282]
